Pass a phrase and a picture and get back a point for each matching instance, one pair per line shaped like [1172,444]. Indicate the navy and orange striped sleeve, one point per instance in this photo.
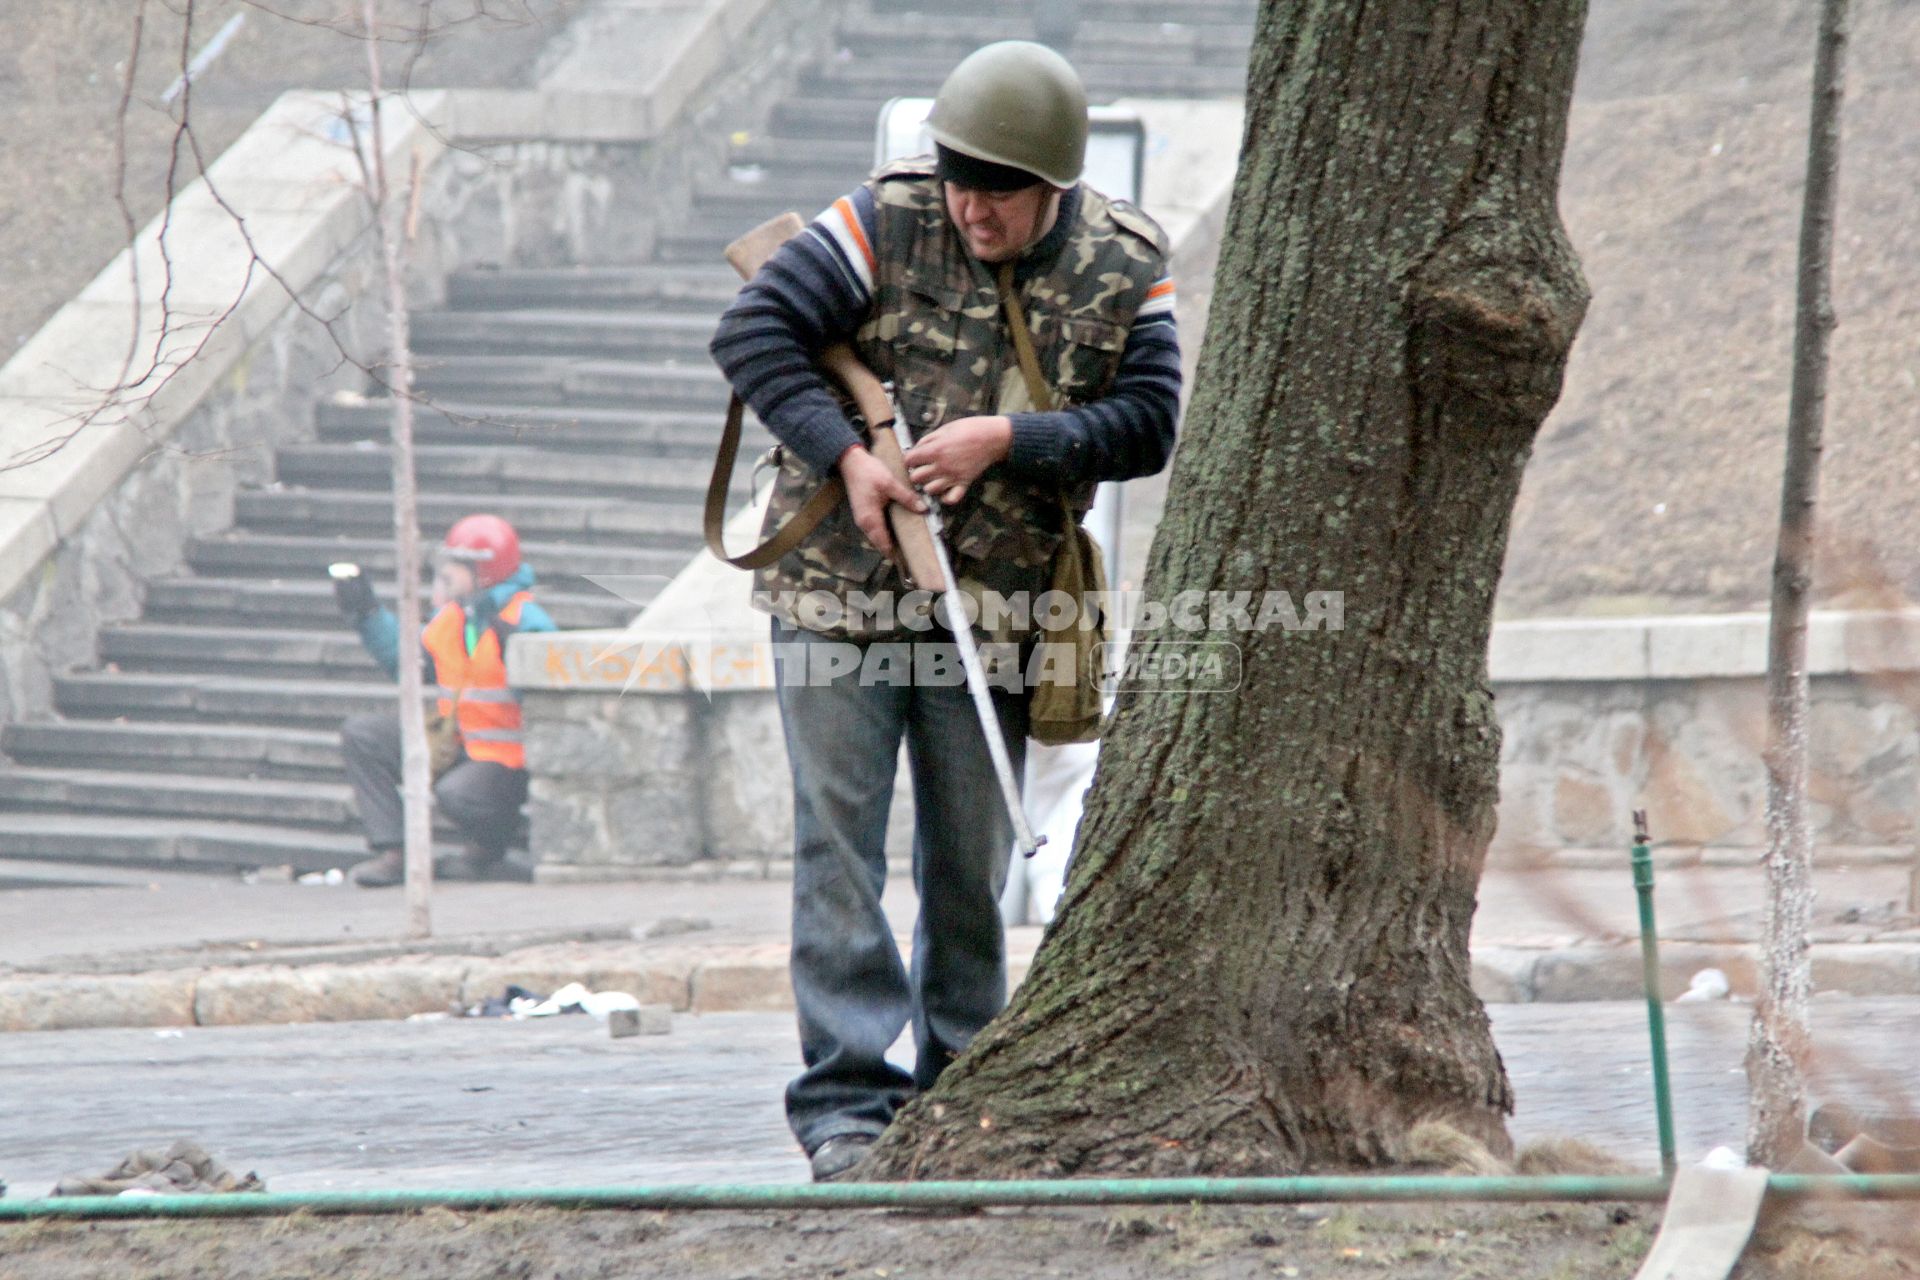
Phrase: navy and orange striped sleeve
[815,290]
[1128,432]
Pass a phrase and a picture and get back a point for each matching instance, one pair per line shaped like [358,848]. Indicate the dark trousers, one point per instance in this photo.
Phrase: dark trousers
[853,992]
[482,797]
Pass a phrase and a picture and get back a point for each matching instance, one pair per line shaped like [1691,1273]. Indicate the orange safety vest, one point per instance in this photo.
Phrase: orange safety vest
[473,685]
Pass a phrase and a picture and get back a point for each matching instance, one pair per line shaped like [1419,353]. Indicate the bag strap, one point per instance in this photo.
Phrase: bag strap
[1037,389]
[791,534]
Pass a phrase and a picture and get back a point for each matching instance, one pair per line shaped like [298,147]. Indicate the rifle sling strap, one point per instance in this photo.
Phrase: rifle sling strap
[791,534]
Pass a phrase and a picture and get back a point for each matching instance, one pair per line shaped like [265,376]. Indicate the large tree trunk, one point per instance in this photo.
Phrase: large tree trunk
[1260,963]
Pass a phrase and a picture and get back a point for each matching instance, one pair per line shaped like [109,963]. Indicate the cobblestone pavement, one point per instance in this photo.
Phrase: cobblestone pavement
[552,1103]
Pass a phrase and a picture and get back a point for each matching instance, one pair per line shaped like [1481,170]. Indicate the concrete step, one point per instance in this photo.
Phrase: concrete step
[707,242]
[621,522]
[1170,37]
[733,215]
[878,79]
[262,651]
[704,290]
[1093,15]
[314,704]
[225,750]
[309,602]
[601,334]
[805,196]
[844,163]
[557,380]
[146,840]
[1215,44]
[580,429]
[560,567]
[253,800]
[498,469]
[835,117]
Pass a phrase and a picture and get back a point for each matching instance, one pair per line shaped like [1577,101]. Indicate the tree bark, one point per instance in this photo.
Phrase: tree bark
[1260,963]
[1781,1036]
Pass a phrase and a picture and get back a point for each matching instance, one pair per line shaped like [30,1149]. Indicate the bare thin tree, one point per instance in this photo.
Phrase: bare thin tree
[396,239]
[1778,1048]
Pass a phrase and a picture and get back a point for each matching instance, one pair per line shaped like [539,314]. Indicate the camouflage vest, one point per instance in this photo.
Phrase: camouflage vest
[937,332]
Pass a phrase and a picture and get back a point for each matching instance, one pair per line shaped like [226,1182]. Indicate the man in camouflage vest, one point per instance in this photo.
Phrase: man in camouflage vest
[910,268]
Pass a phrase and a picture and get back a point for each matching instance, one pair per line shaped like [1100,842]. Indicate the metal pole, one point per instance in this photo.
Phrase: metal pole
[952,1195]
[1650,971]
[957,623]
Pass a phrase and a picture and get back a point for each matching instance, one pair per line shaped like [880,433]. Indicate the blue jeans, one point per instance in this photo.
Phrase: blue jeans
[853,994]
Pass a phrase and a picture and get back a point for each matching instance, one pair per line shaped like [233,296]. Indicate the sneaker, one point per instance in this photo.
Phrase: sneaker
[383,870]
[836,1157]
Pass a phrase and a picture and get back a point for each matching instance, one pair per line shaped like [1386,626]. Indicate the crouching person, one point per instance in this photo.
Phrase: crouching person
[482,594]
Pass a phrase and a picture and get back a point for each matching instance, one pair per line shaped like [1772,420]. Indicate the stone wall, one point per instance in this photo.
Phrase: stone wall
[636,785]
[599,170]
[1580,756]
[1602,717]
[652,751]
[181,483]
[628,784]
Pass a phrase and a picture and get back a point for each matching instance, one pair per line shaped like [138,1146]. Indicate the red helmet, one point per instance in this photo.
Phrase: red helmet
[489,544]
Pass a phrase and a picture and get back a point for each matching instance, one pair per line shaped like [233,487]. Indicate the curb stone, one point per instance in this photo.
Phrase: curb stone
[753,981]
[69,1003]
[1613,972]
[753,978]
[325,993]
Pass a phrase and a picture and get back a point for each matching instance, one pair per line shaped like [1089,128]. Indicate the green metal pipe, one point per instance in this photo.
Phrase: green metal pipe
[944,1195]
[1650,973]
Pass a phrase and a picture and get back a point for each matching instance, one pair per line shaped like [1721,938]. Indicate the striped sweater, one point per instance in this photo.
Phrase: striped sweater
[818,289]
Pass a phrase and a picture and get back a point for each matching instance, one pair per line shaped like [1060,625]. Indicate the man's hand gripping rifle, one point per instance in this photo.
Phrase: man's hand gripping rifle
[921,551]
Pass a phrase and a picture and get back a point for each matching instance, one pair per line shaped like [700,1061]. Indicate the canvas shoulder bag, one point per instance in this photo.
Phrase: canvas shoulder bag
[1065,706]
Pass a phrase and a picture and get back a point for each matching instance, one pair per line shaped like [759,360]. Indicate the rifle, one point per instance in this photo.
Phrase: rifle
[922,550]
[914,544]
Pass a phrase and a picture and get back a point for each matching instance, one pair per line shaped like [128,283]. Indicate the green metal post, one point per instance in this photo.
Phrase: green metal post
[1656,1011]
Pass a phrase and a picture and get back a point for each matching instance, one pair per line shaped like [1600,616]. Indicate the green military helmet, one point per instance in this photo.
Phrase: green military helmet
[1019,104]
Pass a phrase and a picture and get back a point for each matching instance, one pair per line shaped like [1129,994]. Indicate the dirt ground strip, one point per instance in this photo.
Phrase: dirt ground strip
[1565,1242]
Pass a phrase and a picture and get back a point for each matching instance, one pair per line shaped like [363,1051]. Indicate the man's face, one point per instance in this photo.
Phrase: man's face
[452,581]
[999,226]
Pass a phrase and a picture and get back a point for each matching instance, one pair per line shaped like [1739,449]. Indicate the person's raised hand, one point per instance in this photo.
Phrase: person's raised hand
[354,595]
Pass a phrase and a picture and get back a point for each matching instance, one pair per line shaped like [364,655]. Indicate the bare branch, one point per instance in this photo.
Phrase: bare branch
[397,33]
[149,364]
[120,199]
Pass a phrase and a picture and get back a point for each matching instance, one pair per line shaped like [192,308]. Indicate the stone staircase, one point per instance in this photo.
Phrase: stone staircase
[578,403]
